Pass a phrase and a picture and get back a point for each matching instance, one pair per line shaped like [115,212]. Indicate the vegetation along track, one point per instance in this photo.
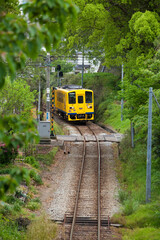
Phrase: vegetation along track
[89,219]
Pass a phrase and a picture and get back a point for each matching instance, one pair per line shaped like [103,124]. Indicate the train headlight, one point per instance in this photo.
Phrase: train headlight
[71,108]
[89,106]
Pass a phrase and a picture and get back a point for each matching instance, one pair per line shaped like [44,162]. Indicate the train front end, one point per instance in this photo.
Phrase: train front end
[80,105]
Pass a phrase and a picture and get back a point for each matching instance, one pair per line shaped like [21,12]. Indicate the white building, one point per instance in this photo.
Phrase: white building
[89,65]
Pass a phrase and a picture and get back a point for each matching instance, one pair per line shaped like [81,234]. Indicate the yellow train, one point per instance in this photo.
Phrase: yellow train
[74,103]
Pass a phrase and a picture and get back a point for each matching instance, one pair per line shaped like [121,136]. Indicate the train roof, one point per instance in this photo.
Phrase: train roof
[71,87]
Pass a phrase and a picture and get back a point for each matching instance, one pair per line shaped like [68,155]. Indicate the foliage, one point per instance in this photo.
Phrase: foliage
[17,132]
[9,230]
[41,228]
[33,205]
[47,159]
[145,216]
[20,39]
[32,161]
[7,154]
[112,117]
[142,233]
[10,182]
[104,86]
[16,99]
[36,177]
[122,32]
[57,129]
[9,6]
[65,66]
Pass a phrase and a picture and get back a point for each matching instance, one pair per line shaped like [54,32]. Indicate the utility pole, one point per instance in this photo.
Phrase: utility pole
[39,99]
[82,66]
[48,88]
[122,96]
[149,149]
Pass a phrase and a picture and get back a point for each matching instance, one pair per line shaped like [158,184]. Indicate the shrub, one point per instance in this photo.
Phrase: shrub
[32,205]
[17,207]
[122,196]
[6,210]
[14,200]
[7,154]
[5,171]
[36,177]
[32,161]
[129,207]
[9,230]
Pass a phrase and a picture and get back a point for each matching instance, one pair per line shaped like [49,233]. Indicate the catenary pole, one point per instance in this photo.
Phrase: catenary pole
[149,149]
[122,96]
[82,66]
[48,88]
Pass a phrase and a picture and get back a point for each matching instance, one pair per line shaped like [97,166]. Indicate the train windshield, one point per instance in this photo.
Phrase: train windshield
[88,97]
[72,97]
[80,99]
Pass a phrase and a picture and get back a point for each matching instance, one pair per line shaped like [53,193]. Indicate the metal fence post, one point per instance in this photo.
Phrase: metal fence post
[149,149]
[132,134]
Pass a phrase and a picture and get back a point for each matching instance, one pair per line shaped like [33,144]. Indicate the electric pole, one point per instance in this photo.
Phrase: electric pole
[48,88]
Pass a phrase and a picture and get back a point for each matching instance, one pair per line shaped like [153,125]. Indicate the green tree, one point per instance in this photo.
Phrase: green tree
[22,38]
[16,98]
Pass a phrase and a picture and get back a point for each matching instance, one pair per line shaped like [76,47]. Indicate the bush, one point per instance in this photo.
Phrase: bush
[7,154]
[36,177]
[32,161]
[129,207]
[32,205]
[5,171]
[122,195]
[17,207]
[6,210]
[9,230]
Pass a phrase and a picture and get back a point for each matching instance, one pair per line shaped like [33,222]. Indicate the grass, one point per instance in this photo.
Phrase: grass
[9,230]
[47,159]
[148,233]
[112,117]
[41,228]
[58,129]
[141,221]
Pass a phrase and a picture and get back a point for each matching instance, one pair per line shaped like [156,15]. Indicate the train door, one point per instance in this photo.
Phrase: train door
[80,106]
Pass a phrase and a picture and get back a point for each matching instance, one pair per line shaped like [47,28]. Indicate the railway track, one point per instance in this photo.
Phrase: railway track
[85,196]
[90,173]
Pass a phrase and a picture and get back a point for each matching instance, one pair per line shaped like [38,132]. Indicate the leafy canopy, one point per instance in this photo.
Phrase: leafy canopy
[22,38]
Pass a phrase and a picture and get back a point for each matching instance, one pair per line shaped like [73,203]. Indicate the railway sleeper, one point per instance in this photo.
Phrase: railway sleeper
[90,222]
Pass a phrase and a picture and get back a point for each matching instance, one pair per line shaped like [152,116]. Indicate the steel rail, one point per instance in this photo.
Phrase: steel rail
[98,188]
[99,185]
[78,191]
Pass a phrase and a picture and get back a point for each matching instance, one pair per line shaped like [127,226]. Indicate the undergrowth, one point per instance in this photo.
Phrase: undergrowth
[9,230]
[141,220]
[112,117]
[41,228]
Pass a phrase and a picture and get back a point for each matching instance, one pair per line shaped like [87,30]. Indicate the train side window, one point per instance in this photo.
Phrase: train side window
[72,97]
[88,97]
[80,99]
